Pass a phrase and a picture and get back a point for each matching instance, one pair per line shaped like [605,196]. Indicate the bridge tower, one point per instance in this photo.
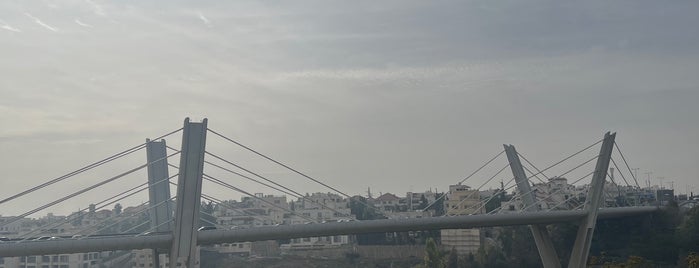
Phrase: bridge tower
[583,240]
[158,191]
[547,252]
[184,240]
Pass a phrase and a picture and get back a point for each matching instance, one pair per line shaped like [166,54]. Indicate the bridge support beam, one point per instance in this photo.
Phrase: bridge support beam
[158,191]
[547,252]
[184,243]
[581,248]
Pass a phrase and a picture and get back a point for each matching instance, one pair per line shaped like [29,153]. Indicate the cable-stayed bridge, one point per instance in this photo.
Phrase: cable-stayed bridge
[174,220]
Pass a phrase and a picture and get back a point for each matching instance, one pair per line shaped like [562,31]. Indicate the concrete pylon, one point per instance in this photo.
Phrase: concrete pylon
[158,191]
[184,243]
[547,252]
[581,248]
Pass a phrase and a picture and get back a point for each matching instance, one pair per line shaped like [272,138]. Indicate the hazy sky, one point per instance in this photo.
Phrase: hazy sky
[396,95]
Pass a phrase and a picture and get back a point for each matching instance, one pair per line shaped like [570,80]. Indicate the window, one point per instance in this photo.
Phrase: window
[63,258]
[45,259]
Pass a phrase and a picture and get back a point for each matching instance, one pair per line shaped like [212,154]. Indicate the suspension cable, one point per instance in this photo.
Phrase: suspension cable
[155,227]
[449,208]
[627,164]
[137,213]
[17,218]
[222,204]
[295,194]
[620,173]
[464,179]
[571,170]
[282,164]
[85,168]
[224,184]
[484,203]
[533,166]
[99,205]
[569,157]
[551,194]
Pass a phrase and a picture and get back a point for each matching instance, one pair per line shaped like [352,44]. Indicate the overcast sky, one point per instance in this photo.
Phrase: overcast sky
[396,95]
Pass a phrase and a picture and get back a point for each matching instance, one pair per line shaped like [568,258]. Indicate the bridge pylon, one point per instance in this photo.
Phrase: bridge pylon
[583,240]
[158,191]
[547,252]
[184,240]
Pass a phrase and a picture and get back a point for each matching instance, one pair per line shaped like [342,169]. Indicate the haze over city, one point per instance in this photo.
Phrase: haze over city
[396,96]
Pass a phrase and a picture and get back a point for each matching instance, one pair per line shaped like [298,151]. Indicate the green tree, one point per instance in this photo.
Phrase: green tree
[117,209]
[688,232]
[439,204]
[433,257]
[495,202]
[453,260]
[206,217]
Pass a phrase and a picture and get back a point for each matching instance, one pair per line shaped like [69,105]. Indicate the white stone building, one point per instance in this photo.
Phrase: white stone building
[462,200]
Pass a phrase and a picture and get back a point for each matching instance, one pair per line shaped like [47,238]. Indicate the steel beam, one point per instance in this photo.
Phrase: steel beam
[583,240]
[158,191]
[184,244]
[547,251]
[125,242]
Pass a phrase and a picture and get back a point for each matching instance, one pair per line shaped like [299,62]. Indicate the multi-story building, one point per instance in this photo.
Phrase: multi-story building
[320,207]
[75,260]
[462,200]
[144,258]
[389,202]
[555,194]
[417,201]
[250,212]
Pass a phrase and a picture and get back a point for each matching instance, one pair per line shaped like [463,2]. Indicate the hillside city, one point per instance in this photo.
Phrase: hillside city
[315,208]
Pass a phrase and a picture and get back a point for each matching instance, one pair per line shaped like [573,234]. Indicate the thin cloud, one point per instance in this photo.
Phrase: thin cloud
[97,9]
[11,29]
[206,21]
[8,27]
[77,21]
[41,23]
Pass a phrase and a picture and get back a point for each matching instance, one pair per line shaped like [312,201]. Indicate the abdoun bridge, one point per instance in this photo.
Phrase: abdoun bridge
[174,221]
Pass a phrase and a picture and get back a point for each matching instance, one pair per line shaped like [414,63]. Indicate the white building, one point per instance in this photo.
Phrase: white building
[415,200]
[320,207]
[144,258]
[462,200]
[75,260]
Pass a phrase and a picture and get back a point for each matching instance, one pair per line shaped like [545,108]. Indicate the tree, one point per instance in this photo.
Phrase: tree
[453,260]
[433,257]
[688,232]
[117,209]
[423,202]
[495,202]
[207,217]
[438,205]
